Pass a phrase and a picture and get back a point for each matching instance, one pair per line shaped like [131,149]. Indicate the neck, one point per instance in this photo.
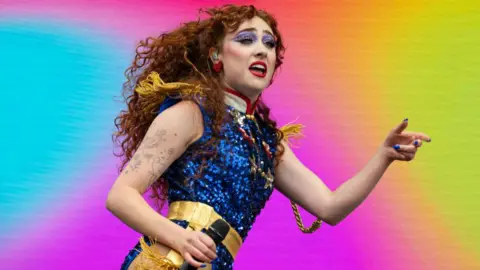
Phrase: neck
[240,102]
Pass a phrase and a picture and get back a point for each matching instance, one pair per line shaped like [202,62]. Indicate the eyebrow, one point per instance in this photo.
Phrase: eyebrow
[252,29]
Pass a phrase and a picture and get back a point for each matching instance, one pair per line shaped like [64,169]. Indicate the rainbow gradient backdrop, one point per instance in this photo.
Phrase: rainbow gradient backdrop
[353,70]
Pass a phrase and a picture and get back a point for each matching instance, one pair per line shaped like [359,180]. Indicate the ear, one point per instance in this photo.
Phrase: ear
[214,55]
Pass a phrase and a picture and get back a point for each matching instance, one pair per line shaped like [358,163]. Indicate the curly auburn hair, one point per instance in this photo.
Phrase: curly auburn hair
[182,55]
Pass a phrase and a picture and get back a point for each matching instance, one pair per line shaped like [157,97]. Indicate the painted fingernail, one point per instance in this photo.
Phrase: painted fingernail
[203,265]
[429,139]
[405,120]
[415,142]
[396,147]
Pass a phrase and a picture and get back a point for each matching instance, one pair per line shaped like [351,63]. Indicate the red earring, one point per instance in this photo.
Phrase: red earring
[218,66]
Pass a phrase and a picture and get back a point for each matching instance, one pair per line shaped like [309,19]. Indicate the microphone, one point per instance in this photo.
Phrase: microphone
[217,231]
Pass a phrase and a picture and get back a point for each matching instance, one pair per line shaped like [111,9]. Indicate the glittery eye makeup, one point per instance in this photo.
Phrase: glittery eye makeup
[249,37]
[246,37]
[269,40]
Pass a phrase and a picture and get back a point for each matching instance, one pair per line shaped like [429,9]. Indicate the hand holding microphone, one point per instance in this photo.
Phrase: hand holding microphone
[198,247]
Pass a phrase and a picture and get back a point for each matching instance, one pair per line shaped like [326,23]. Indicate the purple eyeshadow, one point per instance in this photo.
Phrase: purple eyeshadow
[269,39]
[246,35]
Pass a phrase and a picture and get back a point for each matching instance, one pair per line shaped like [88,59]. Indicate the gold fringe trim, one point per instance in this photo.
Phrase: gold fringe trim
[154,86]
[153,83]
[151,258]
[292,131]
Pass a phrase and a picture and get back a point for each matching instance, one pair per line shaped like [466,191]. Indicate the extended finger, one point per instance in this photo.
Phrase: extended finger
[192,261]
[401,127]
[418,135]
[405,148]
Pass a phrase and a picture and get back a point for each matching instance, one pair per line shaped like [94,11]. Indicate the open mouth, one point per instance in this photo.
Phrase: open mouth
[258,69]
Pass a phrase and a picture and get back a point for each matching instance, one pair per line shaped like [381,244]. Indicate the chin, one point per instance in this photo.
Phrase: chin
[257,89]
[253,87]
[259,86]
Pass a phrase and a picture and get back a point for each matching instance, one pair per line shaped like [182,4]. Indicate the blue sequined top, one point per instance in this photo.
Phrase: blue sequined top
[227,182]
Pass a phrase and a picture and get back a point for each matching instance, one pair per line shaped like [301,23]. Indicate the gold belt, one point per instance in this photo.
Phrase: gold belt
[201,216]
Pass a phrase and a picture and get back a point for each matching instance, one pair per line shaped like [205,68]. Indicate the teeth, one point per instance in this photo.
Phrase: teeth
[258,66]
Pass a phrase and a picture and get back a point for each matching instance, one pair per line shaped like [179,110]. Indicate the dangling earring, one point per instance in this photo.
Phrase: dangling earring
[216,66]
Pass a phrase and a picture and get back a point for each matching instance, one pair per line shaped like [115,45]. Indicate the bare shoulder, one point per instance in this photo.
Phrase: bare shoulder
[184,119]
[167,138]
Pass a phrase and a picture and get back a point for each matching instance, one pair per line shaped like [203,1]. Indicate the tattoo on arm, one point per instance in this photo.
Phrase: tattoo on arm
[149,153]
[153,141]
[135,163]
[157,162]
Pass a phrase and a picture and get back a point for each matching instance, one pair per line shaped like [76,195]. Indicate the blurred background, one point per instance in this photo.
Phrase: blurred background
[353,70]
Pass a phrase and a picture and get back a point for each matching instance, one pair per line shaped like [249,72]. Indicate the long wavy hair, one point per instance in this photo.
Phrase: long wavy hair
[182,55]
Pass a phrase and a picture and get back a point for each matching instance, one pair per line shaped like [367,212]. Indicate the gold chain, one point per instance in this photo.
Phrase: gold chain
[315,225]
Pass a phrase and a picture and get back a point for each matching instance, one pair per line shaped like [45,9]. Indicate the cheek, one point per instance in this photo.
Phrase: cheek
[272,58]
[232,51]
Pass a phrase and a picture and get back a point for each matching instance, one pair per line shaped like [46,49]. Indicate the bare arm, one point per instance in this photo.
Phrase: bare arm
[167,138]
[303,187]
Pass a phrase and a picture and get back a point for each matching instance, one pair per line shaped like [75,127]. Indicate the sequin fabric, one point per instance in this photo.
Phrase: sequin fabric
[227,182]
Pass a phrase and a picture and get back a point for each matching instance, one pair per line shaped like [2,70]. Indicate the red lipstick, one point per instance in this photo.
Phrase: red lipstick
[258,68]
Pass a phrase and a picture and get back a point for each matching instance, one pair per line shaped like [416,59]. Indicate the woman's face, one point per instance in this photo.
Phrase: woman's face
[248,57]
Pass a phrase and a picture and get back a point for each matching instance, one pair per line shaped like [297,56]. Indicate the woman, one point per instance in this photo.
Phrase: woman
[197,133]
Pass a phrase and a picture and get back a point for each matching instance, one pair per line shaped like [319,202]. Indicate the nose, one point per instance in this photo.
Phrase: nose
[261,52]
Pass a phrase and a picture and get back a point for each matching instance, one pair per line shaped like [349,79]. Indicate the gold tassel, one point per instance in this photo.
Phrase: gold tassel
[292,131]
[151,258]
[153,85]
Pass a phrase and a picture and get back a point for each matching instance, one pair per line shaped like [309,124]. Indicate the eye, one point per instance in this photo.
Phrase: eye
[245,38]
[271,44]
[269,41]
